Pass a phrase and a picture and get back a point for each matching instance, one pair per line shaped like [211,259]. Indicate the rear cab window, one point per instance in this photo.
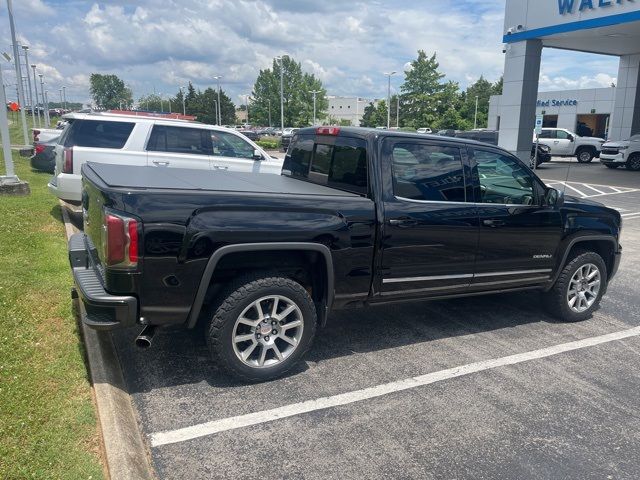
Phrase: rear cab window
[97,134]
[335,161]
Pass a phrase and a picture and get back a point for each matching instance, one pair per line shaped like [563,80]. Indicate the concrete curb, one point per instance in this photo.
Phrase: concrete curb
[126,453]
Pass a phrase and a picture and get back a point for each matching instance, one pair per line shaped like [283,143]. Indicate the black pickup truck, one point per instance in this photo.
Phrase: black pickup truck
[358,218]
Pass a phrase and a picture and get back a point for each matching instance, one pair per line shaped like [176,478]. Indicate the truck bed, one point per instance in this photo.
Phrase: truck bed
[159,178]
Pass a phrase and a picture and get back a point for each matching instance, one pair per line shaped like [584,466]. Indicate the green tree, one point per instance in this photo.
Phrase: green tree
[297,96]
[375,115]
[426,97]
[109,92]
[482,89]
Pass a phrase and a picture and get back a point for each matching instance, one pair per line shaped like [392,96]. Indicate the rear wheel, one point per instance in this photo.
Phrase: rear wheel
[634,162]
[585,155]
[263,326]
[579,288]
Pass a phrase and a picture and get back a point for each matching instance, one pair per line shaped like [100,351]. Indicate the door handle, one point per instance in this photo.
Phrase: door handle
[161,162]
[403,222]
[493,223]
[221,167]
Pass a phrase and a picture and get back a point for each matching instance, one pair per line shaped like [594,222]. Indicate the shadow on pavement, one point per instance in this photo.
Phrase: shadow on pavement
[179,356]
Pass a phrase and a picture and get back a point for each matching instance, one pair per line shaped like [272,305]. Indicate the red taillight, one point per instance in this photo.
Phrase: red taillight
[327,130]
[120,241]
[39,148]
[133,241]
[116,240]
[67,166]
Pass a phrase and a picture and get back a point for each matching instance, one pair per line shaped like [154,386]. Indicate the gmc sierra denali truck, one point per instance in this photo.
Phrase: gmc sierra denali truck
[359,217]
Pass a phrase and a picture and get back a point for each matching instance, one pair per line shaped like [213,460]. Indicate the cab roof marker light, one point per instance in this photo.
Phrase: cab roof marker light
[328,131]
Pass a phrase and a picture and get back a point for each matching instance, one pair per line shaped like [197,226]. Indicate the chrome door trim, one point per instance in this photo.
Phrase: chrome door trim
[466,275]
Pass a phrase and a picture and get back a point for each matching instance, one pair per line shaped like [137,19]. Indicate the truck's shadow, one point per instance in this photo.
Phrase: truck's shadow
[180,357]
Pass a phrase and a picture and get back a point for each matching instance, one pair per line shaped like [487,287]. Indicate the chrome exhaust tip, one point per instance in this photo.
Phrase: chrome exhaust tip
[145,337]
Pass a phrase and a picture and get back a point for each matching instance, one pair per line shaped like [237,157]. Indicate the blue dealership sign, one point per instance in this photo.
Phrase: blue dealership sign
[569,6]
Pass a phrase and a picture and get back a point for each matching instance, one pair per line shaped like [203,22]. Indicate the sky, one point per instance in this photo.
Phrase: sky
[158,45]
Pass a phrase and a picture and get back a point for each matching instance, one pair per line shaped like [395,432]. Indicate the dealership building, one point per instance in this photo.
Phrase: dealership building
[607,27]
[587,112]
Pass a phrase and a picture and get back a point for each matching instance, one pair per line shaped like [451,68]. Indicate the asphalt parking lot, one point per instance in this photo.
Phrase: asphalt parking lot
[488,387]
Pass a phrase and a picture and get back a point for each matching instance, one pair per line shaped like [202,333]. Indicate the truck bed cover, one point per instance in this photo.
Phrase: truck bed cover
[160,178]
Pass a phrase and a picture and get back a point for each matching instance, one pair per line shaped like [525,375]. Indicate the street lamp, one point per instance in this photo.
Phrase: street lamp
[218,108]
[35,89]
[388,74]
[16,60]
[475,117]
[26,61]
[314,105]
[184,105]
[64,97]
[269,100]
[281,59]
[45,110]
[246,102]
[215,109]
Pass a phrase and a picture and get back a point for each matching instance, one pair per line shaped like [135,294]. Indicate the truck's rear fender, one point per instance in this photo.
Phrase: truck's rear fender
[313,259]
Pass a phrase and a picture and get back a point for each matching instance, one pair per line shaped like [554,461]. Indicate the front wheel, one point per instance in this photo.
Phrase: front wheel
[579,288]
[585,155]
[263,326]
[634,162]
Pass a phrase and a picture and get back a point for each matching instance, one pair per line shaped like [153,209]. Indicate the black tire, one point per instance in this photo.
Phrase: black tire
[585,155]
[633,163]
[611,165]
[234,300]
[556,299]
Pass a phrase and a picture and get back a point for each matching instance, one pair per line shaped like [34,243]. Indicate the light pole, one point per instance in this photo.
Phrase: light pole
[64,98]
[269,100]
[184,105]
[46,102]
[475,117]
[246,102]
[26,61]
[314,92]
[398,111]
[4,136]
[218,108]
[281,58]
[16,61]
[388,74]
[215,109]
[45,113]
[35,91]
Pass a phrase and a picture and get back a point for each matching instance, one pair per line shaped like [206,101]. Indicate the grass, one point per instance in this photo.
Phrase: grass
[15,128]
[47,418]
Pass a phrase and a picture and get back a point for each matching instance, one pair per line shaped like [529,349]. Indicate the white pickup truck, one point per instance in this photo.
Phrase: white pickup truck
[624,152]
[152,141]
[43,135]
[565,143]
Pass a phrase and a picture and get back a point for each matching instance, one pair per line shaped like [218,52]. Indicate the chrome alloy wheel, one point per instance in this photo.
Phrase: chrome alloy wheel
[584,288]
[585,156]
[268,331]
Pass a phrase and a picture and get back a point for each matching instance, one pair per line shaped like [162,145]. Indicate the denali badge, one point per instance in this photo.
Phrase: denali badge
[542,256]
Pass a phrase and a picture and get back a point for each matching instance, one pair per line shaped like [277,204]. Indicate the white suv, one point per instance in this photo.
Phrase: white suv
[564,143]
[153,141]
[625,152]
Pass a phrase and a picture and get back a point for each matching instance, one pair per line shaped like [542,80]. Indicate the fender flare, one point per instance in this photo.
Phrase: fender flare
[580,239]
[196,306]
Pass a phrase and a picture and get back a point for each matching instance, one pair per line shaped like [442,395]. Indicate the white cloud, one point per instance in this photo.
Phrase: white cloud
[599,80]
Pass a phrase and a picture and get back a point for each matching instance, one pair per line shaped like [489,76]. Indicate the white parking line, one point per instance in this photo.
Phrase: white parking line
[217,426]
[566,184]
[588,185]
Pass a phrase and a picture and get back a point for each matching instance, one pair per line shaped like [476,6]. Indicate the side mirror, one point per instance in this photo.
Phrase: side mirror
[570,138]
[554,198]
[257,155]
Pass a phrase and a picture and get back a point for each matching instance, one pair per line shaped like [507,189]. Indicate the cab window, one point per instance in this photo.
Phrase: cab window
[195,141]
[428,172]
[502,179]
[227,144]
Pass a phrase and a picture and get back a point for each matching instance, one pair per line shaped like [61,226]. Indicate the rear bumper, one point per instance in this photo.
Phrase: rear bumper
[102,311]
[66,186]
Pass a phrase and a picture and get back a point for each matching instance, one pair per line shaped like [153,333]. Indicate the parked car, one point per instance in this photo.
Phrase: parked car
[287,134]
[448,132]
[148,140]
[564,143]
[44,156]
[625,152]
[424,130]
[359,217]
[491,137]
[45,134]
[250,134]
